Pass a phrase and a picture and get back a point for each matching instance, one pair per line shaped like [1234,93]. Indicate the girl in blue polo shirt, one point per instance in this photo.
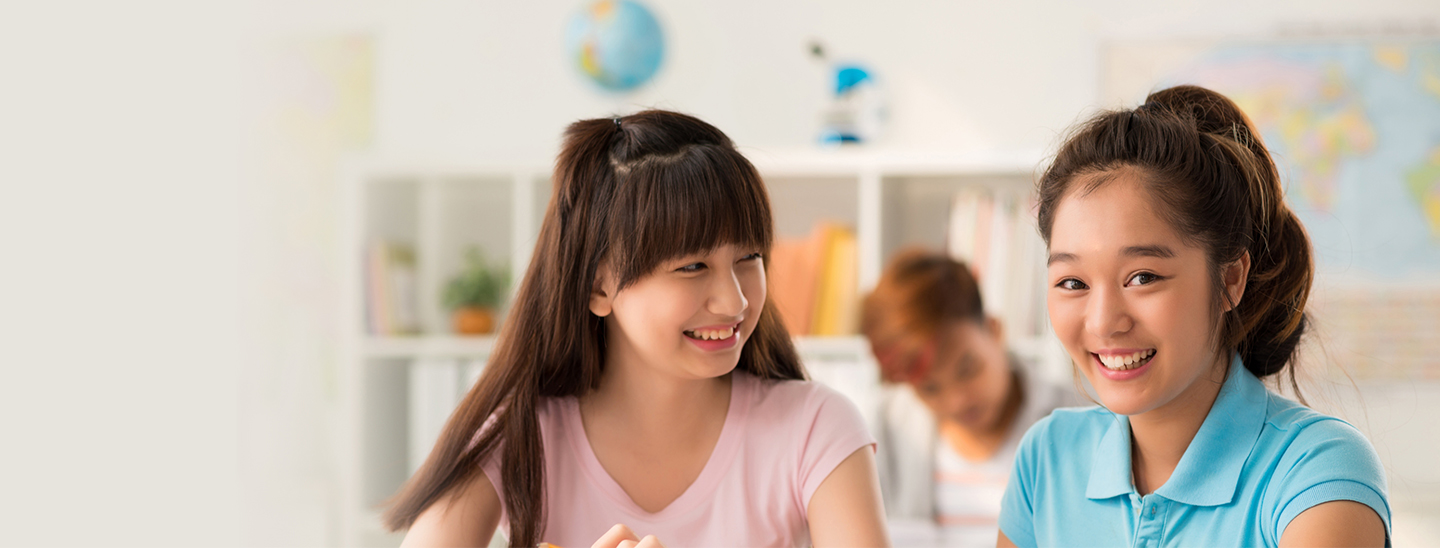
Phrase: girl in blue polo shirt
[1178,278]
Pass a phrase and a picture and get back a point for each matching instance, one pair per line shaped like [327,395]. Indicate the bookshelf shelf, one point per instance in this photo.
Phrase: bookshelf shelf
[396,390]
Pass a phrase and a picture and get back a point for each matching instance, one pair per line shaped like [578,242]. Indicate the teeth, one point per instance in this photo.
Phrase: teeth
[1125,361]
[711,334]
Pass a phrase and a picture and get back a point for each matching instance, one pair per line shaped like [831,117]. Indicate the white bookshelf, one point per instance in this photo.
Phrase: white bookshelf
[891,200]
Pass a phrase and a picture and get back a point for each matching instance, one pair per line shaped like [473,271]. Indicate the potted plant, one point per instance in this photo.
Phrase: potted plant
[474,294]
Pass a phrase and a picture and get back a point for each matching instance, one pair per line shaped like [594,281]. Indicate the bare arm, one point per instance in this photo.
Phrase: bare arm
[467,517]
[1004,541]
[1334,524]
[846,509]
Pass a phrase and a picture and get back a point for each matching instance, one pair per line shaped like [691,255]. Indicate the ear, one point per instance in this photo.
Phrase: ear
[995,327]
[602,292]
[1233,275]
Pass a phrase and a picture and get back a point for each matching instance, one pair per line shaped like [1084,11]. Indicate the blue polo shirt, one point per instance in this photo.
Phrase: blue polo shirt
[1258,461]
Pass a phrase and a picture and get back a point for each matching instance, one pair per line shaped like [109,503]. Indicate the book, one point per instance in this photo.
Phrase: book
[994,233]
[391,291]
[435,391]
[813,281]
[837,304]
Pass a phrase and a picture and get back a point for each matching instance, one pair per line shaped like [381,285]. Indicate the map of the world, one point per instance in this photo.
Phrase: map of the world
[1355,130]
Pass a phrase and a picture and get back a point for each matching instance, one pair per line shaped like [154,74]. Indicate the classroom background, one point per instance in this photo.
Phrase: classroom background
[234,233]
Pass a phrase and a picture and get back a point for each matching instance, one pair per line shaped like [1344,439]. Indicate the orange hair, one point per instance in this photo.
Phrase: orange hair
[919,292]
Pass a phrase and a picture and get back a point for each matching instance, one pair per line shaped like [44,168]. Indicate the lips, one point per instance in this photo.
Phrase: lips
[714,338]
[712,333]
[1118,361]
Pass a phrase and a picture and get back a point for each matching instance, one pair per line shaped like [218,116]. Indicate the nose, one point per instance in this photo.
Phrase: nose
[1106,314]
[726,296]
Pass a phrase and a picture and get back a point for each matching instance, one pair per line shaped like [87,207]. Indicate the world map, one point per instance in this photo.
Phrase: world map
[1355,130]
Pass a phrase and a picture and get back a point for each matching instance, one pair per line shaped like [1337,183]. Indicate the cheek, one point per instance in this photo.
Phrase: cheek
[1178,317]
[1067,318]
[659,307]
[752,285]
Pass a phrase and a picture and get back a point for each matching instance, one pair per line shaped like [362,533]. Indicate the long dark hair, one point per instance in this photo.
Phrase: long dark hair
[1214,182]
[630,192]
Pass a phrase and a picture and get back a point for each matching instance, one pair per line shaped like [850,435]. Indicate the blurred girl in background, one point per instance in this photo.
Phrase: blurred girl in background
[643,377]
[1178,279]
[956,403]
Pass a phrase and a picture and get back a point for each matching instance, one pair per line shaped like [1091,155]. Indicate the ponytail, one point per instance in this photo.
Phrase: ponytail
[1205,164]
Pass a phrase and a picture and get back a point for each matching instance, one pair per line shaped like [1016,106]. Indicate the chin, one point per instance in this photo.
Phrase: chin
[718,366]
[1121,402]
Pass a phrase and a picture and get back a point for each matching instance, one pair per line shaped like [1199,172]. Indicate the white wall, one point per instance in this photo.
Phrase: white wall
[119,155]
[490,79]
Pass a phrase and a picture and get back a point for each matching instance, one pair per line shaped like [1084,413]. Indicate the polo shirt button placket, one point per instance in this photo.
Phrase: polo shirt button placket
[1148,525]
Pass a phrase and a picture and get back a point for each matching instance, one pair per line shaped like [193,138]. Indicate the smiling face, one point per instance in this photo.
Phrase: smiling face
[1131,301]
[689,318]
[969,378]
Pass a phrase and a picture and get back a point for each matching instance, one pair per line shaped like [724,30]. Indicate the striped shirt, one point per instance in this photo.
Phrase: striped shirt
[968,494]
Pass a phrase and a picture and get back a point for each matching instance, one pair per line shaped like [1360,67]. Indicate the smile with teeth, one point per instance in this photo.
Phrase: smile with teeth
[1125,362]
[711,334]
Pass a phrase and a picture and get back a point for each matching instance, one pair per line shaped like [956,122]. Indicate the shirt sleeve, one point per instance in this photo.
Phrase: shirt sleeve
[1328,461]
[836,431]
[1017,511]
[491,467]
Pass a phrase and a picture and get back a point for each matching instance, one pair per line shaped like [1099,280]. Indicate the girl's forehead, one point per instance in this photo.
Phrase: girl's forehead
[1115,217]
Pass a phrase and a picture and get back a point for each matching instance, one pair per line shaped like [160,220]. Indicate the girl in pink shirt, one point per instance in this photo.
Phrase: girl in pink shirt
[643,377]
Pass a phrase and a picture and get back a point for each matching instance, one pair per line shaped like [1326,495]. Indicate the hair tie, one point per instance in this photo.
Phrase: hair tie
[617,122]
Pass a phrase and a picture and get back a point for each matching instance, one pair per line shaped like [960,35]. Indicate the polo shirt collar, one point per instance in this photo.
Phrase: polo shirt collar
[1209,472]
[1110,465]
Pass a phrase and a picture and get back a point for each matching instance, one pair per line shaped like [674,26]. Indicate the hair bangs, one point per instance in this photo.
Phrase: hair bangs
[692,201]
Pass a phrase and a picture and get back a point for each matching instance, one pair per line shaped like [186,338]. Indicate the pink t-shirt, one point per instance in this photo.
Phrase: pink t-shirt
[781,439]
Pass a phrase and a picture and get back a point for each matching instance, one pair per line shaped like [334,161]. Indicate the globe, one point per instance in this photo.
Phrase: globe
[617,44]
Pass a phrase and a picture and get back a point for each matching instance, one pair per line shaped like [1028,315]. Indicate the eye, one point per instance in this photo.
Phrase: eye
[1072,284]
[1143,278]
[691,268]
[750,257]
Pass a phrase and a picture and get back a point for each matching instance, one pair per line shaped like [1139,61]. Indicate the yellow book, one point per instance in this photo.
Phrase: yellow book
[836,288]
[845,263]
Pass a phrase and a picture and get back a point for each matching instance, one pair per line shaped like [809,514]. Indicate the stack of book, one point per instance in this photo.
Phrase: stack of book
[391,306]
[995,233]
[813,281]
[436,387]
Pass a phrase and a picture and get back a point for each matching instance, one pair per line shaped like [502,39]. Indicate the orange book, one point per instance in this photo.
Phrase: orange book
[794,270]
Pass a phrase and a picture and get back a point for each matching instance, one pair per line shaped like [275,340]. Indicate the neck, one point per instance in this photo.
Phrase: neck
[652,402]
[1159,437]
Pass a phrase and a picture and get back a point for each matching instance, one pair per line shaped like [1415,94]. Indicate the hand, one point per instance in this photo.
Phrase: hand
[621,536]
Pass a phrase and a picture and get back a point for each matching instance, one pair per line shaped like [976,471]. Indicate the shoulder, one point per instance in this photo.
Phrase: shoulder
[1315,440]
[792,399]
[812,414]
[1318,458]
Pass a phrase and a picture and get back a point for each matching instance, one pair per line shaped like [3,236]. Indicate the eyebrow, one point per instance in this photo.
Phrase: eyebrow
[1061,258]
[1157,251]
